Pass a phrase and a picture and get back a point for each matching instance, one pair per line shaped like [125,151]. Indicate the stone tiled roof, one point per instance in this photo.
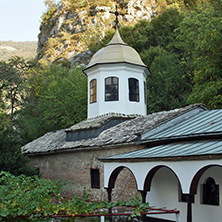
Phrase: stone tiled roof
[98,121]
[124,133]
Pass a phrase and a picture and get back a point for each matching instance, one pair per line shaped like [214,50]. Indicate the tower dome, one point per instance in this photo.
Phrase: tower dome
[116,80]
[116,51]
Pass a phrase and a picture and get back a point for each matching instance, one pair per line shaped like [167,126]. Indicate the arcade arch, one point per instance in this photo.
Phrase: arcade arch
[122,184]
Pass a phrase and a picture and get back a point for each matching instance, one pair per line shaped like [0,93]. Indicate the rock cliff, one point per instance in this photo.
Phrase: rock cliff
[68,28]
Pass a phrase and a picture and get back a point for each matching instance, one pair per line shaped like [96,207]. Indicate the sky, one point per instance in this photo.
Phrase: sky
[20,19]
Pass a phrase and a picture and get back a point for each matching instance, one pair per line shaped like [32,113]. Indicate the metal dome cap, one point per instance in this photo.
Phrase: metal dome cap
[116,51]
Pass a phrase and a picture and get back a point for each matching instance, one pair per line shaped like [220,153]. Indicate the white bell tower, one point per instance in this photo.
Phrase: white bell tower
[116,80]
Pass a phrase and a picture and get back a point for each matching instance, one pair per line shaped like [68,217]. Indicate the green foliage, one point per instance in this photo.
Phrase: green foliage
[51,9]
[38,100]
[33,197]
[200,38]
[4,120]
[161,30]
[28,196]
[62,97]
[57,99]
[136,36]
[11,158]
[190,4]
[12,94]
[158,32]
[165,84]
[95,44]
[12,78]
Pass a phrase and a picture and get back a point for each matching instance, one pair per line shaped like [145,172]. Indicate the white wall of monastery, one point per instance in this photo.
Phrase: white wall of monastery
[122,71]
[165,188]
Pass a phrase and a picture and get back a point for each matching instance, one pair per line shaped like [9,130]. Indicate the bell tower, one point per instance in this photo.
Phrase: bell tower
[116,79]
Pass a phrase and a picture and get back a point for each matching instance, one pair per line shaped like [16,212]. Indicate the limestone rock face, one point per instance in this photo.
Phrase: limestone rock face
[66,32]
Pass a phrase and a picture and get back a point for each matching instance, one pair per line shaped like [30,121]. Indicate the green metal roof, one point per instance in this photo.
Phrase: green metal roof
[200,126]
[185,149]
[205,123]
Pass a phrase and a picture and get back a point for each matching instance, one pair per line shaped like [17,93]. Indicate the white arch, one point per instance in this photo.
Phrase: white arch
[184,170]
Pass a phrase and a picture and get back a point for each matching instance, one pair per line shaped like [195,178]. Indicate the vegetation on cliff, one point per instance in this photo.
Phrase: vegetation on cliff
[70,27]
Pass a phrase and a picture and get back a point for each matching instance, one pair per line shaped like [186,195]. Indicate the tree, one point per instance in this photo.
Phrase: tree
[11,158]
[200,38]
[161,32]
[12,79]
[158,32]
[62,97]
[57,99]
[165,85]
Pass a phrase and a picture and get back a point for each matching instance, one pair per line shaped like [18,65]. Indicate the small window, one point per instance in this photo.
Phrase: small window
[210,192]
[133,90]
[112,89]
[95,178]
[93,88]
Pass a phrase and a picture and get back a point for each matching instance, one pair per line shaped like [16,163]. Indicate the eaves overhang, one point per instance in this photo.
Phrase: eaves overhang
[181,138]
[189,150]
[84,149]
[147,70]
[178,158]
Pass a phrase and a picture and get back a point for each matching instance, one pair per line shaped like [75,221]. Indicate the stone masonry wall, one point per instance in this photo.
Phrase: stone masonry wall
[75,166]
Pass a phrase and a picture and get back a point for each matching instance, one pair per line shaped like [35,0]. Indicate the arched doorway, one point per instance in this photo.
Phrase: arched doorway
[122,184]
[163,190]
[208,202]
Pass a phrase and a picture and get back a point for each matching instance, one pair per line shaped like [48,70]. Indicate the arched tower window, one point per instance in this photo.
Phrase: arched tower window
[210,192]
[93,89]
[111,89]
[133,89]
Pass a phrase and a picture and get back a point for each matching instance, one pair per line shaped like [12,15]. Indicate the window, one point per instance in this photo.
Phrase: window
[93,87]
[95,179]
[133,90]
[112,89]
[145,97]
[210,192]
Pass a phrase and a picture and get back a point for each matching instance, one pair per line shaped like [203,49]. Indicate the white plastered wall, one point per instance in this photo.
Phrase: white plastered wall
[165,185]
[122,71]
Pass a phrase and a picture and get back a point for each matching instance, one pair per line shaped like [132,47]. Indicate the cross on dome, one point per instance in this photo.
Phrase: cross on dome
[116,79]
[116,13]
